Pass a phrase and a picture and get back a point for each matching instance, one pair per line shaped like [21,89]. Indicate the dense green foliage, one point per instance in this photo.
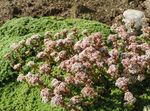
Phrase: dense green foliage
[18,29]
[19,97]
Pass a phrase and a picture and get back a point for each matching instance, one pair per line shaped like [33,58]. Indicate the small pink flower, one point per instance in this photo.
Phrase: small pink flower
[31,64]
[48,50]
[75,100]
[122,32]
[128,54]
[17,66]
[45,68]
[100,64]
[85,44]
[69,79]
[57,100]
[29,75]
[50,44]
[97,39]
[112,37]
[81,77]
[45,99]
[77,46]
[88,91]
[62,55]
[90,50]
[131,39]
[74,59]
[32,39]
[63,65]
[41,55]
[146,30]
[104,50]
[114,53]
[148,53]
[134,68]
[68,41]
[45,92]
[34,80]
[87,65]
[113,27]
[111,61]
[54,54]
[46,41]
[133,47]
[45,95]
[96,56]
[141,77]
[55,82]
[143,58]
[145,46]
[134,59]
[59,42]
[125,62]
[123,35]
[122,82]
[35,37]
[113,70]
[21,78]
[57,59]
[82,55]
[76,67]
[128,96]
[61,88]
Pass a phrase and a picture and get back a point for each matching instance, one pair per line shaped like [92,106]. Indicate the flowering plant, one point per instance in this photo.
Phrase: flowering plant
[85,66]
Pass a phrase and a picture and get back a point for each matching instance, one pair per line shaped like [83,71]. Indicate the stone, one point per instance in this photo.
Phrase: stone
[135,16]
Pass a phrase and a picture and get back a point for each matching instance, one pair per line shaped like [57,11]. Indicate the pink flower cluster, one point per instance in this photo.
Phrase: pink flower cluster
[32,40]
[87,64]
[134,58]
[45,94]
[94,40]
[33,79]
[45,68]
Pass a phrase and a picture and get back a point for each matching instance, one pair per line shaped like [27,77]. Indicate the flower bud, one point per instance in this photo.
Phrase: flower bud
[17,66]
[57,100]
[21,78]
[75,100]
[87,91]
[45,68]
[31,64]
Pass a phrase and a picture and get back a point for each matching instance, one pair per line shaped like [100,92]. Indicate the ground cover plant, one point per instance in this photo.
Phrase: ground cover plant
[22,28]
[75,68]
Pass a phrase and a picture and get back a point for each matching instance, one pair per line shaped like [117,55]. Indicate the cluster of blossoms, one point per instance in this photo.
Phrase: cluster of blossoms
[32,79]
[87,63]
[133,53]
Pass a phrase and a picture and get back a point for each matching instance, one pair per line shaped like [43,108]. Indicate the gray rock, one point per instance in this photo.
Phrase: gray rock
[133,15]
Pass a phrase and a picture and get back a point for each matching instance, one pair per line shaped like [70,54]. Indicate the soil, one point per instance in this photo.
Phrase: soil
[99,10]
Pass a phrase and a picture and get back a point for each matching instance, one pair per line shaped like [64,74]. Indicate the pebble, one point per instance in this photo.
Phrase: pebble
[134,15]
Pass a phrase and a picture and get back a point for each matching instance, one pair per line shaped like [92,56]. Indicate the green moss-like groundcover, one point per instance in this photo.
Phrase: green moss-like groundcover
[16,96]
